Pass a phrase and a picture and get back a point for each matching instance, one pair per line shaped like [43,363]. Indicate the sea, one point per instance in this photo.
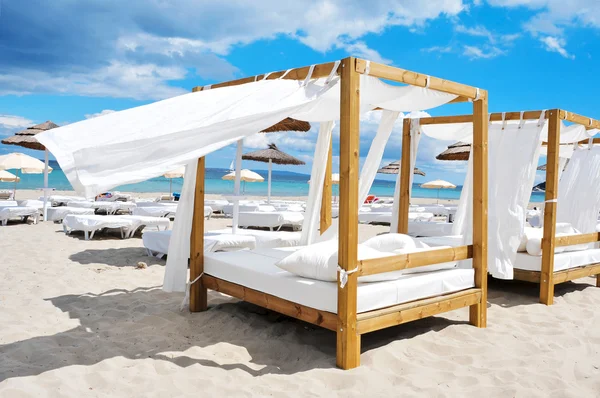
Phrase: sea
[284,183]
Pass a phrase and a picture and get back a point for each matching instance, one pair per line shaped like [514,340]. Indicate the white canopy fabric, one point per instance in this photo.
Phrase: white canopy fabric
[579,190]
[144,142]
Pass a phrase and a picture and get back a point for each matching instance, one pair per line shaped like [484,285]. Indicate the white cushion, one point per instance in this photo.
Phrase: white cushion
[392,242]
[319,261]
[529,233]
[534,247]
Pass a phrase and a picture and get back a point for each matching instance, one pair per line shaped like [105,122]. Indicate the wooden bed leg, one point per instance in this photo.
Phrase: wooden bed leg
[546,276]
[478,312]
[598,280]
[198,293]
[348,339]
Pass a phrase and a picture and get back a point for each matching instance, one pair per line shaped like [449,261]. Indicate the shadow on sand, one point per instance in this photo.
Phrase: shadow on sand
[121,323]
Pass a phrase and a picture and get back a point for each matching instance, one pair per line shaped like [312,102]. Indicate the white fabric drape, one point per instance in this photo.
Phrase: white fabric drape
[179,245]
[562,162]
[310,225]
[513,158]
[373,159]
[463,220]
[579,191]
[415,138]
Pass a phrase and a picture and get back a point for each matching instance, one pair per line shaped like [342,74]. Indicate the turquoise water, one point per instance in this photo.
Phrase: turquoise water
[283,184]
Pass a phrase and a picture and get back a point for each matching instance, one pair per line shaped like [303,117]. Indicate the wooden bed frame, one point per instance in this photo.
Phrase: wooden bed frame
[348,325]
[547,277]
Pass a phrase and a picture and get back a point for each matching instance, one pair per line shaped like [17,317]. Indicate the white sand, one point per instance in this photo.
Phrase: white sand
[77,319]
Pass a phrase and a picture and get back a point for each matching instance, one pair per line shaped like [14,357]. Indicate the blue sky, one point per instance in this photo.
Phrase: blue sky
[65,60]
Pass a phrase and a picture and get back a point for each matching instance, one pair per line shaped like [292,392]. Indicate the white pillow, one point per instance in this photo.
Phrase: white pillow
[534,247]
[529,233]
[392,242]
[320,261]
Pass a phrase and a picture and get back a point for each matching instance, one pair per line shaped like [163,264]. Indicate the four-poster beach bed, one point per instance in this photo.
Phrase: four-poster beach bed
[546,276]
[348,324]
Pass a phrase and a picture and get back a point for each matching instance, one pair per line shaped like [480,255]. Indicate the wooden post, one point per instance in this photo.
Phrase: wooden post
[348,339]
[546,281]
[326,198]
[405,170]
[198,296]
[478,312]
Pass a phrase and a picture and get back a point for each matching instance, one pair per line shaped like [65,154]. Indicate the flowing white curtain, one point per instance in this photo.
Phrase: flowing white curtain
[373,159]
[463,219]
[415,138]
[579,190]
[179,245]
[310,225]
[513,157]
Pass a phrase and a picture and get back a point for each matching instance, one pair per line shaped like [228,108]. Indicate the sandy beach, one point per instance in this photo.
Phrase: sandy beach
[79,319]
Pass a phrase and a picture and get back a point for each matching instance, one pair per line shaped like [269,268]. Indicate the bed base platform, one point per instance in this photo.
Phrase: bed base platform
[560,276]
[366,322]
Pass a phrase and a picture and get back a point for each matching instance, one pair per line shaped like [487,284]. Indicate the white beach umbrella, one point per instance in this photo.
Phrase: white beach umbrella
[22,163]
[177,173]
[245,176]
[5,176]
[438,184]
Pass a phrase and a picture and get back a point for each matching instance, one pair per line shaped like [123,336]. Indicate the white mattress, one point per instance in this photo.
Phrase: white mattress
[451,240]
[562,261]
[158,241]
[386,217]
[106,206]
[256,269]
[57,200]
[58,213]
[8,203]
[10,212]
[38,204]
[270,219]
[430,228]
[145,221]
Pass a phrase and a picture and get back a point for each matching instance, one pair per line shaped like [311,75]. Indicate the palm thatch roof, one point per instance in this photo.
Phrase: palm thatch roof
[26,138]
[456,151]
[288,124]
[274,154]
[394,168]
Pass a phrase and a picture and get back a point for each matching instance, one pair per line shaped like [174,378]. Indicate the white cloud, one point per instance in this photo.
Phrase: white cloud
[438,49]
[12,121]
[556,44]
[102,113]
[474,52]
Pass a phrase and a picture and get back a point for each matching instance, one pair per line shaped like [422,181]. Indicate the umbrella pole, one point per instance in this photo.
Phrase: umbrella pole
[170,187]
[45,185]
[15,190]
[438,198]
[238,175]
[269,183]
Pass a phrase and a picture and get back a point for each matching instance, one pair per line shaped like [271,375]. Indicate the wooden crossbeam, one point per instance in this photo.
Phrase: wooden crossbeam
[576,273]
[576,239]
[417,79]
[494,117]
[588,122]
[399,314]
[327,320]
[414,260]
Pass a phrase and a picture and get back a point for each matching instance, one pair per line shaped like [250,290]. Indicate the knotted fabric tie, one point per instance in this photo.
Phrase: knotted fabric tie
[344,275]
[188,288]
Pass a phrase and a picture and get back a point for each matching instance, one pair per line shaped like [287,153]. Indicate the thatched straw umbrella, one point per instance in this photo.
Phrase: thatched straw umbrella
[287,124]
[457,151]
[26,138]
[394,168]
[271,155]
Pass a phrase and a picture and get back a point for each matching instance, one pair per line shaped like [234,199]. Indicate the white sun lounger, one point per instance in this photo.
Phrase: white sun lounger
[271,219]
[22,212]
[62,200]
[216,204]
[89,224]
[141,222]
[374,217]
[105,206]
[430,228]
[159,210]
[57,214]
[256,270]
